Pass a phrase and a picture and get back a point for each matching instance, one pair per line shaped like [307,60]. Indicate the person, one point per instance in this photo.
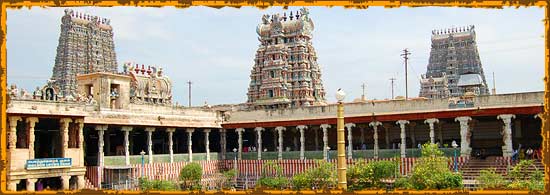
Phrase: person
[529,153]
[521,154]
[515,155]
[39,185]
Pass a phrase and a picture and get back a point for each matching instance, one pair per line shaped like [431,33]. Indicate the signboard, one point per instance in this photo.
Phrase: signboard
[49,163]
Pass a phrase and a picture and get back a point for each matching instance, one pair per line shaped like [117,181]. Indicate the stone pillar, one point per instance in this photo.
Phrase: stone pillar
[150,131]
[65,182]
[325,139]
[402,124]
[207,143]
[31,123]
[362,131]
[349,126]
[240,142]
[190,143]
[431,122]
[64,124]
[465,149]
[171,143]
[30,184]
[81,183]
[413,135]
[223,142]
[259,131]
[374,125]
[80,138]
[440,135]
[12,185]
[316,131]
[12,134]
[507,149]
[100,143]
[301,128]
[387,134]
[280,130]
[126,130]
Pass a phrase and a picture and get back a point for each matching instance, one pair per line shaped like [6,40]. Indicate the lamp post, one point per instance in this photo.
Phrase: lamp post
[235,165]
[342,183]
[455,146]
[142,161]
[328,154]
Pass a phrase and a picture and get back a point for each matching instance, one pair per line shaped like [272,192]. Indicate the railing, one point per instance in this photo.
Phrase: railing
[157,158]
[129,184]
[382,153]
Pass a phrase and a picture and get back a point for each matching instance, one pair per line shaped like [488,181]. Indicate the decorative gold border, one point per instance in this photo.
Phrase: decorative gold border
[360,4]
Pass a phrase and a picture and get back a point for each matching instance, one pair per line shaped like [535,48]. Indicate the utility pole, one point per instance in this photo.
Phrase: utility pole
[363,96]
[405,55]
[392,80]
[189,83]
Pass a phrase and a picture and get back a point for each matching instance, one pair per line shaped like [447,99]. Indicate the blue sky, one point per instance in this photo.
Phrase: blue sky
[215,48]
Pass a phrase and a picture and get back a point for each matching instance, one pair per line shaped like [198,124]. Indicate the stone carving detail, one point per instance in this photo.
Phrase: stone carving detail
[285,73]
[85,46]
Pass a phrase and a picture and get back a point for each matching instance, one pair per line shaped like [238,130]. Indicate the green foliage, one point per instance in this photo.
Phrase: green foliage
[489,179]
[322,176]
[403,183]
[361,175]
[157,185]
[301,181]
[272,177]
[522,180]
[431,171]
[191,176]
[520,171]
[229,178]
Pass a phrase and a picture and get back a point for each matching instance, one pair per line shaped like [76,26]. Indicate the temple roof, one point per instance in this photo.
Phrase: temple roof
[469,79]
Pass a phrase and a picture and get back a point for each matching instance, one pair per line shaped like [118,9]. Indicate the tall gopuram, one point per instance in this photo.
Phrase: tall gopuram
[85,46]
[286,73]
[454,67]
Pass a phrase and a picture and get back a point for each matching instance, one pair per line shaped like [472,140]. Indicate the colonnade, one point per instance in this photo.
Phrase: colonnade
[404,125]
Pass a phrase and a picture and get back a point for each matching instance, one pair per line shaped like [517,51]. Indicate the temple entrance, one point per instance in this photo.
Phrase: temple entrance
[47,139]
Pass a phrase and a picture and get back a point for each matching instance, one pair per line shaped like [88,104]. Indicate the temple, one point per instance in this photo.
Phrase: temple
[121,126]
[454,67]
[286,73]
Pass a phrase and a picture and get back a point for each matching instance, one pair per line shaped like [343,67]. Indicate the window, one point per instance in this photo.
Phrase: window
[272,73]
[270,93]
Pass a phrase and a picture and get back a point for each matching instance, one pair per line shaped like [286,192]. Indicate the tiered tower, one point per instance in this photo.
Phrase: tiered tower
[285,73]
[85,46]
[454,66]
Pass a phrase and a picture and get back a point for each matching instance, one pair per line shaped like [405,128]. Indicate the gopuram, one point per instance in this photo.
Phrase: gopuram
[92,126]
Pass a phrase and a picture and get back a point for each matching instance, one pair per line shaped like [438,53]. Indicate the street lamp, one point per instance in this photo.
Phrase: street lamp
[142,161]
[328,154]
[235,167]
[455,146]
[342,183]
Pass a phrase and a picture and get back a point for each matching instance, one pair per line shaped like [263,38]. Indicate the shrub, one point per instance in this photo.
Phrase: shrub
[489,179]
[522,180]
[431,171]
[301,181]
[157,185]
[363,175]
[402,183]
[191,176]
[272,176]
[229,178]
